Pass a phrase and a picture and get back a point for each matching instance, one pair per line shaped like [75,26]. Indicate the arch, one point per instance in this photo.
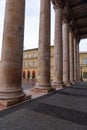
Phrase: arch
[24,73]
[33,74]
[28,74]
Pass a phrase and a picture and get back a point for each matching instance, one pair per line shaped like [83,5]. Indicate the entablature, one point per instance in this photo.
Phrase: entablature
[76,11]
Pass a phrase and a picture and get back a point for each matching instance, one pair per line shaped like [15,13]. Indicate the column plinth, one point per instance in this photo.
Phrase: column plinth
[12,51]
[43,73]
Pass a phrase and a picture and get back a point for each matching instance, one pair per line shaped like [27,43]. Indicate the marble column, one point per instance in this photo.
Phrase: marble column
[12,51]
[75,59]
[43,77]
[71,55]
[58,51]
[66,66]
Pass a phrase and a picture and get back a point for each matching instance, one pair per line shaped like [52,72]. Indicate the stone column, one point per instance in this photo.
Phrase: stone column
[75,59]
[58,48]
[66,66]
[78,63]
[43,77]
[12,51]
[71,55]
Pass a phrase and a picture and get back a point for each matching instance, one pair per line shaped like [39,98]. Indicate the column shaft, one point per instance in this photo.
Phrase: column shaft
[66,67]
[75,59]
[78,63]
[71,56]
[43,77]
[12,50]
[58,54]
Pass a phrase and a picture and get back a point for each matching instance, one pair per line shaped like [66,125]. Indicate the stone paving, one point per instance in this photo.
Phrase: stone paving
[64,109]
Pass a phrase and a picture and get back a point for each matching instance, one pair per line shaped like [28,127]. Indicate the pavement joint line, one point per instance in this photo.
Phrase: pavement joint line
[73,94]
[79,88]
[75,116]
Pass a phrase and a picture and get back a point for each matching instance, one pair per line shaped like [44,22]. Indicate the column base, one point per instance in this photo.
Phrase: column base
[43,88]
[72,82]
[67,84]
[11,94]
[79,81]
[10,81]
[75,81]
[57,85]
[11,102]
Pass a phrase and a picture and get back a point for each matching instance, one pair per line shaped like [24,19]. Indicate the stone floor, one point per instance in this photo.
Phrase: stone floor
[64,109]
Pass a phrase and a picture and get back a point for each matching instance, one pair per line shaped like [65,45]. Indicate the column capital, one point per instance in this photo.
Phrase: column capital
[66,18]
[71,27]
[58,3]
[76,34]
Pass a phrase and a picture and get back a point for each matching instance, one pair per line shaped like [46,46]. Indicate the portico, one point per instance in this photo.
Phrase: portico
[70,28]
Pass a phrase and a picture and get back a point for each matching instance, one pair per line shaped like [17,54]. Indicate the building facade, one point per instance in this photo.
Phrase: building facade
[70,28]
[83,65]
[30,63]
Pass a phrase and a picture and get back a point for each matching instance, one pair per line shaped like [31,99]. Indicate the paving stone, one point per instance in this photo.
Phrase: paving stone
[64,109]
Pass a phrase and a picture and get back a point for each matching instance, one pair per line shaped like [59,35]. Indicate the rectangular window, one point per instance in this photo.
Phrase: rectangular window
[84,61]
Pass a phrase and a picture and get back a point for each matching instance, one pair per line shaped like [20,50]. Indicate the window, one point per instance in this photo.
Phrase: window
[84,74]
[26,64]
[25,56]
[29,55]
[29,64]
[23,64]
[34,63]
[84,61]
[34,55]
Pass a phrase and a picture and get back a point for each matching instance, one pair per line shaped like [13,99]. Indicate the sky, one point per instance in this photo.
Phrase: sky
[32,25]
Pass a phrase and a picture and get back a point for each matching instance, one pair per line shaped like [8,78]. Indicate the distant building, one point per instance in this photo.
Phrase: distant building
[30,63]
[83,65]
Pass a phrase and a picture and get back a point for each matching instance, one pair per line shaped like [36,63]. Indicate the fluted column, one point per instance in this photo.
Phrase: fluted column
[58,48]
[43,77]
[12,50]
[66,66]
[75,59]
[71,55]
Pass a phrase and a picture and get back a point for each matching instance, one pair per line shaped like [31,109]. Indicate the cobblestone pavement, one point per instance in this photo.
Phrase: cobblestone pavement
[64,109]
